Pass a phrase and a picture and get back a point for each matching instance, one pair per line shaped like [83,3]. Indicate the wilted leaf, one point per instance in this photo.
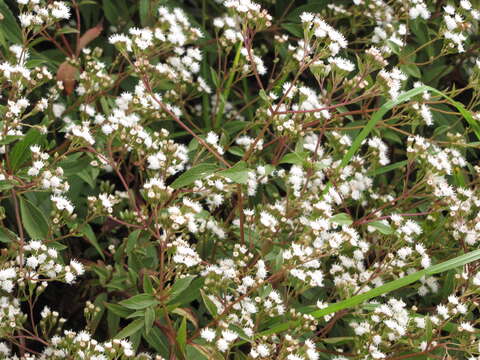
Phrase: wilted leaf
[89,36]
[66,73]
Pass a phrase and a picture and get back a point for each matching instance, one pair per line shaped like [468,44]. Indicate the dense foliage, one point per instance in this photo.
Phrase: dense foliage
[225,179]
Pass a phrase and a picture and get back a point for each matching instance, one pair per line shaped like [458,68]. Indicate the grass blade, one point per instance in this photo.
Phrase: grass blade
[382,290]
[465,113]
[376,117]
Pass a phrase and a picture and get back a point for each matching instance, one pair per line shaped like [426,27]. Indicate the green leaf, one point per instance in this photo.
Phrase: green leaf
[428,328]
[74,164]
[236,150]
[87,231]
[6,185]
[9,139]
[194,353]
[147,285]
[157,340]
[9,26]
[448,284]
[136,314]
[144,10]
[316,7]
[263,95]
[380,226]
[190,294]
[88,175]
[214,75]
[186,314]
[435,72]
[33,220]
[66,30]
[140,301]
[132,241]
[412,70]
[179,286]
[297,158]
[193,174]
[113,323]
[114,10]
[421,31]
[7,236]
[149,319]
[131,329]
[387,168]
[338,340]
[294,29]
[182,335]
[20,151]
[238,173]
[342,219]
[100,303]
[211,307]
[118,310]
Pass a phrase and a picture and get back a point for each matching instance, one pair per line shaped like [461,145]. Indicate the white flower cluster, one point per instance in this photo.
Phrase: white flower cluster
[250,11]
[392,81]
[36,13]
[12,318]
[388,323]
[231,30]
[42,263]
[82,345]
[456,24]
[173,27]
[101,80]
[331,37]
[440,161]
[184,254]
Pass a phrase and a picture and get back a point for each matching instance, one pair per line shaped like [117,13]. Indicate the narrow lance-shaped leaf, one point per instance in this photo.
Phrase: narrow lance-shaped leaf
[182,335]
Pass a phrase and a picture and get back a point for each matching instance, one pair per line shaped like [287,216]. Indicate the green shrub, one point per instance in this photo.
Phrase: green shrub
[222,179]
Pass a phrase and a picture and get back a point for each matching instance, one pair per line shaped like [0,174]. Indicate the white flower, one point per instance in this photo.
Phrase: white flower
[122,40]
[426,115]
[212,138]
[69,278]
[342,64]
[229,335]
[467,5]
[60,10]
[77,267]
[222,345]
[62,203]
[32,262]
[306,17]
[207,334]
[268,220]
[466,326]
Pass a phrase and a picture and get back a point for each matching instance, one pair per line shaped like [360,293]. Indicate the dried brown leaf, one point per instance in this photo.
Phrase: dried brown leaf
[66,73]
[89,36]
